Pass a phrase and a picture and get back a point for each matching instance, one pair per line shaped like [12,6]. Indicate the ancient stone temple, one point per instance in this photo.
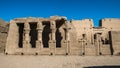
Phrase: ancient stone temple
[57,36]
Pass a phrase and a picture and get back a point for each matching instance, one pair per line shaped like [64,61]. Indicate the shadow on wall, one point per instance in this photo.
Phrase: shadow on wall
[45,34]
[33,34]
[58,38]
[103,67]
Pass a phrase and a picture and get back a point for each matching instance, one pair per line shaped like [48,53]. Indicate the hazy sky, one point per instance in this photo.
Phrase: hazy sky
[72,9]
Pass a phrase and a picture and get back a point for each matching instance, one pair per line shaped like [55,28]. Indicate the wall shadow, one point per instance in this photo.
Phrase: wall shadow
[58,38]
[45,34]
[33,34]
[20,30]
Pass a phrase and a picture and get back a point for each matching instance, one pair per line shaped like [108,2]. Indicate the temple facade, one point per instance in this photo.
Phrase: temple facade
[57,36]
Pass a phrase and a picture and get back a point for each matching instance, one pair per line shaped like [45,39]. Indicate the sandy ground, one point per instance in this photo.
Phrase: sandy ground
[31,61]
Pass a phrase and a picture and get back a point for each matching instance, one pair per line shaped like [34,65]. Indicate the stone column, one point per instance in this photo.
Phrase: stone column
[67,34]
[98,43]
[53,30]
[40,29]
[52,42]
[26,42]
[67,41]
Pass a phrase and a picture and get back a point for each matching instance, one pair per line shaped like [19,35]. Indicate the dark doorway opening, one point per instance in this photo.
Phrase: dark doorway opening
[33,34]
[45,34]
[20,30]
[58,37]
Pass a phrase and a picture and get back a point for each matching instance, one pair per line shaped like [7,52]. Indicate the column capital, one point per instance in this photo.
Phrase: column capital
[26,26]
[52,25]
[52,21]
[39,25]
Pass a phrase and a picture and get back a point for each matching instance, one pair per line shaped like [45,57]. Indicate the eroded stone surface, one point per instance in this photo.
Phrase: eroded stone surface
[3,35]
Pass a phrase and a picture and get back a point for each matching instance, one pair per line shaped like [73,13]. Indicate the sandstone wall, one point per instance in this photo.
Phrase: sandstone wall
[115,39]
[3,35]
[75,37]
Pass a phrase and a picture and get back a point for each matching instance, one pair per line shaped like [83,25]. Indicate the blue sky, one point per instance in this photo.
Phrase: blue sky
[72,9]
